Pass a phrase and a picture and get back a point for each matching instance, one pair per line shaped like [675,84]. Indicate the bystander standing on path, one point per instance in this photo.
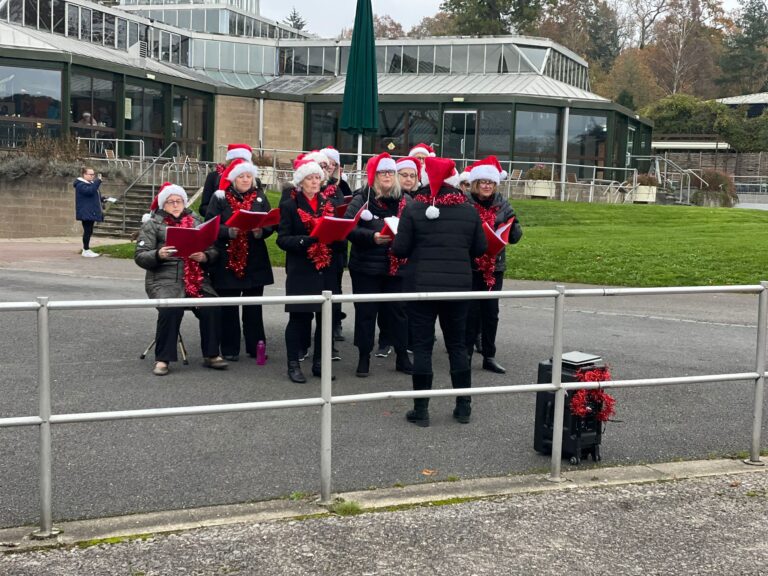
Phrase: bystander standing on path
[88,206]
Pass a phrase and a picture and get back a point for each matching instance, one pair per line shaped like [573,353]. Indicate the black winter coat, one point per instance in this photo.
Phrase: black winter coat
[258,268]
[440,251]
[302,277]
[504,213]
[366,256]
[209,189]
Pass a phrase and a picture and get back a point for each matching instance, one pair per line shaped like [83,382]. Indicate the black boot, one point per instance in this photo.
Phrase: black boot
[363,365]
[295,373]
[463,409]
[420,413]
[491,365]
[403,362]
[337,335]
[317,370]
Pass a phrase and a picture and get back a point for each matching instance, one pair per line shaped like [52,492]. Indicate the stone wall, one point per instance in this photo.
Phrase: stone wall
[41,207]
[735,163]
[284,125]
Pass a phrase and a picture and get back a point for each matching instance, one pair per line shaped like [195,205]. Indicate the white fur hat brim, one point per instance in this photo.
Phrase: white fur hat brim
[386,164]
[485,173]
[405,164]
[316,156]
[453,180]
[420,150]
[464,177]
[241,153]
[172,190]
[305,170]
[243,168]
[332,154]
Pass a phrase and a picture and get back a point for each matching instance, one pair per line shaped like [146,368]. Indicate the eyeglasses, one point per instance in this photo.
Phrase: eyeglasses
[386,172]
[486,182]
[323,165]
[174,202]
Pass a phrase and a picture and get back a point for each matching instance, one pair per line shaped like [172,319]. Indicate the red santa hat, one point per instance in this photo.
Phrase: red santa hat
[235,169]
[409,162]
[379,163]
[332,154]
[242,151]
[166,191]
[464,176]
[487,169]
[316,156]
[303,168]
[439,171]
[422,149]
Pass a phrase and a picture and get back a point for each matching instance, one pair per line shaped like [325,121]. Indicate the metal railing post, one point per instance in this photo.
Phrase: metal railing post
[557,364]
[326,392]
[757,418]
[44,402]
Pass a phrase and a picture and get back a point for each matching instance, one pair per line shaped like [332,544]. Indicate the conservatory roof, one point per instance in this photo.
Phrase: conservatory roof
[759,98]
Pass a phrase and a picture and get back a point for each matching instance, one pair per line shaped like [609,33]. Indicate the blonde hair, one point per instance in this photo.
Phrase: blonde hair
[395,192]
[474,188]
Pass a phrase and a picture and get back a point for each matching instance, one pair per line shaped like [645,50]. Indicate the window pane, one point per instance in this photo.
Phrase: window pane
[256,59]
[30,93]
[133,33]
[536,135]
[459,60]
[198,54]
[44,14]
[109,30]
[426,59]
[59,17]
[513,61]
[494,64]
[316,61]
[165,39]
[329,61]
[286,61]
[535,55]
[227,56]
[394,59]
[170,17]
[73,21]
[184,51]
[122,32]
[175,45]
[269,60]
[300,61]
[240,25]
[16,11]
[241,58]
[392,131]
[30,13]
[249,27]
[423,126]
[231,22]
[184,18]
[198,20]
[212,21]
[587,136]
[85,24]
[381,66]
[442,60]
[496,128]
[212,54]
[97,27]
[410,60]
[323,126]
[343,59]
[476,56]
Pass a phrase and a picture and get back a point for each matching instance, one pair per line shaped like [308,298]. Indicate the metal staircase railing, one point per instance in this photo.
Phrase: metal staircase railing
[672,176]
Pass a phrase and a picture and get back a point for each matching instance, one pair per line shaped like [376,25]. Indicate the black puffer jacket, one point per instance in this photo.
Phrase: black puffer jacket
[366,256]
[258,268]
[165,278]
[504,212]
[439,251]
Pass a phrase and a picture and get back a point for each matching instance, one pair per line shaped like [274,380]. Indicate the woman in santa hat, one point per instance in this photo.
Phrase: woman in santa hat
[488,270]
[171,277]
[422,151]
[440,234]
[244,267]
[333,171]
[234,151]
[373,267]
[310,265]
[408,171]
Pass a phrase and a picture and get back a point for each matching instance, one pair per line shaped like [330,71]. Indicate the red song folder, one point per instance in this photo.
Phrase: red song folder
[190,240]
[341,210]
[247,220]
[499,238]
[390,226]
[331,229]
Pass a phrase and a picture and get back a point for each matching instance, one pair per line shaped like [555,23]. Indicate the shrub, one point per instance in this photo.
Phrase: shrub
[262,160]
[46,148]
[719,190]
[539,172]
[646,179]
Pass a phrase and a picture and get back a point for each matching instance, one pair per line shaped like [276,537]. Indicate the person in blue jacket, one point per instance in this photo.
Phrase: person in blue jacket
[88,206]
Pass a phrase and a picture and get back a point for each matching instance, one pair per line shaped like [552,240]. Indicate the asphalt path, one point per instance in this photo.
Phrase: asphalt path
[114,468]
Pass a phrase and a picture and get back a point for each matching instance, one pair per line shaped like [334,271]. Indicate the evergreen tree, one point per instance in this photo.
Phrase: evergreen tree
[294,20]
[745,58]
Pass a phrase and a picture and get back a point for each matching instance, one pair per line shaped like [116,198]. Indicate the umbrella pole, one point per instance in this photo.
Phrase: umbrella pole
[359,157]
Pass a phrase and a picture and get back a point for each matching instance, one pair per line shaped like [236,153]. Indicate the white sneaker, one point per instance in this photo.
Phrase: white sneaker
[89,254]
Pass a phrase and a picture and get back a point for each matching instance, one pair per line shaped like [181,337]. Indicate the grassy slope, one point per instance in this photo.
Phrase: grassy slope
[629,245]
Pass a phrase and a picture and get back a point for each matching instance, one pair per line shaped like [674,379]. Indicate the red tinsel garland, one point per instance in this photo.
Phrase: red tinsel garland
[237,251]
[487,263]
[193,273]
[450,199]
[596,401]
[220,169]
[394,261]
[319,253]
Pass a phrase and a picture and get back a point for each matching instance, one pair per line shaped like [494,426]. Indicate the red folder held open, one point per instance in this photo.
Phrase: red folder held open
[341,209]
[190,240]
[247,220]
[331,229]
[390,226]
[498,239]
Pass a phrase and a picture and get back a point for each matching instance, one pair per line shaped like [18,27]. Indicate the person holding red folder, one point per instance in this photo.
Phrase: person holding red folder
[373,267]
[310,265]
[488,269]
[440,234]
[244,267]
[171,277]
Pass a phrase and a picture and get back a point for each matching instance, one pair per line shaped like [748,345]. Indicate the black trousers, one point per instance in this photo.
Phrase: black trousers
[484,315]
[337,306]
[253,323]
[87,233]
[452,315]
[167,332]
[296,334]
[391,313]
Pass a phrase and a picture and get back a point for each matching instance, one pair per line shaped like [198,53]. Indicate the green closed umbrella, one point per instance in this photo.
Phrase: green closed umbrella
[360,110]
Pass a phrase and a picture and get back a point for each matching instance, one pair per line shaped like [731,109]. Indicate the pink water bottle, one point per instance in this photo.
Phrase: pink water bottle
[261,353]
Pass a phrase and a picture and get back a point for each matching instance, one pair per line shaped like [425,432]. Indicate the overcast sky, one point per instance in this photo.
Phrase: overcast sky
[327,18]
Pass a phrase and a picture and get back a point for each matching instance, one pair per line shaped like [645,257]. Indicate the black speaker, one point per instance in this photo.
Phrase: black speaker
[581,436]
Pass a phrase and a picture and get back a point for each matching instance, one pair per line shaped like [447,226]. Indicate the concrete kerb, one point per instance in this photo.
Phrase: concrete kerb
[14,540]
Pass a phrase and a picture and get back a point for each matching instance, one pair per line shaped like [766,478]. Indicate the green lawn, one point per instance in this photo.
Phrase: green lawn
[623,245]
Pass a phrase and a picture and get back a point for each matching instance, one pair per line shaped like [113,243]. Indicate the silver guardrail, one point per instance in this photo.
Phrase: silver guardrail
[43,306]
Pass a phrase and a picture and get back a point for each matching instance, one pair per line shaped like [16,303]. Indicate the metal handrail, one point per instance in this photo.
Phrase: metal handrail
[116,141]
[327,400]
[139,177]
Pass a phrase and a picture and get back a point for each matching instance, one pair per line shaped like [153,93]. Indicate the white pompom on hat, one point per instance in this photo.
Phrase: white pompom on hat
[487,169]
[167,190]
[439,171]
[242,151]
[303,168]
